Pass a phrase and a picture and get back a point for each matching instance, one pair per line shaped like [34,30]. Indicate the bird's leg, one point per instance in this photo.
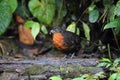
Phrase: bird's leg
[72,55]
[64,57]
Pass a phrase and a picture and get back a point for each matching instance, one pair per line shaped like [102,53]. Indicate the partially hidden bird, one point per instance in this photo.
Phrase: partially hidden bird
[65,41]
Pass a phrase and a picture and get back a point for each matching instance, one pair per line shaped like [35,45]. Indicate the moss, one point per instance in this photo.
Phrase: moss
[34,70]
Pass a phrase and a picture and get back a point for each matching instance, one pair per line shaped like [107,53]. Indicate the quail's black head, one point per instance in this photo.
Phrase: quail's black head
[56,30]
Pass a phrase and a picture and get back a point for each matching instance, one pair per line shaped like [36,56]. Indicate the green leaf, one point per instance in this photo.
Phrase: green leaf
[72,28]
[93,15]
[117,9]
[7,7]
[117,30]
[5,16]
[29,24]
[35,27]
[43,10]
[111,12]
[35,30]
[118,77]
[112,24]
[100,75]
[80,78]
[116,62]
[86,30]
[13,5]
[104,64]
[91,7]
[105,60]
[44,29]
[118,73]
[113,76]
[55,78]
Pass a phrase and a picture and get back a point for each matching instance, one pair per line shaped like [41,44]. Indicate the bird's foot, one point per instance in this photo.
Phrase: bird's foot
[64,57]
[73,55]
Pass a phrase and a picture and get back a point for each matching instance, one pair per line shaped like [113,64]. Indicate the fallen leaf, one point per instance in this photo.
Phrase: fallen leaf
[25,35]
[19,19]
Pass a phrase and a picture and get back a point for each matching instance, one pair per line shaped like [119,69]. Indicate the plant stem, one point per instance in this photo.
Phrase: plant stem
[109,53]
[116,41]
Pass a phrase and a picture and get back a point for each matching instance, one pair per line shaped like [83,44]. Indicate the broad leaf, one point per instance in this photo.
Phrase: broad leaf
[29,24]
[86,30]
[113,76]
[111,13]
[72,28]
[35,30]
[116,62]
[117,30]
[117,9]
[104,64]
[44,29]
[105,60]
[6,10]
[93,15]
[55,78]
[118,77]
[35,27]
[100,75]
[112,24]
[43,10]
[91,7]
[13,4]
[5,16]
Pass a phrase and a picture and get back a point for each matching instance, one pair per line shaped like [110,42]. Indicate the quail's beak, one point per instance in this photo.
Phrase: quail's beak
[52,31]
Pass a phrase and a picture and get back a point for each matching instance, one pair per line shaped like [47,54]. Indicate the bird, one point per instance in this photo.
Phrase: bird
[65,41]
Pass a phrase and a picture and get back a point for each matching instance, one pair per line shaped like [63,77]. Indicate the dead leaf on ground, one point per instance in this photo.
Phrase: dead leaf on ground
[25,35]
[19,19]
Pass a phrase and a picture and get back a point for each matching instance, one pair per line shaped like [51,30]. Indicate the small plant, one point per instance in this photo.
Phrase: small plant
[35,28]
[116,75]
[96,76]
[55,78]
[112,66]
[105,62]
[114,20]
